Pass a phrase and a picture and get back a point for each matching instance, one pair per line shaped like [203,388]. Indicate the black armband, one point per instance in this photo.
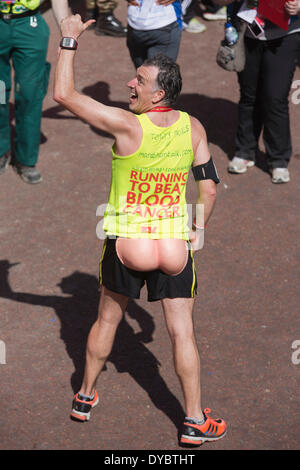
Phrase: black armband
[207,171]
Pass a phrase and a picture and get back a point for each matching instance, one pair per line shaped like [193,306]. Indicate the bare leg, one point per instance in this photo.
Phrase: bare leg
[101,337]
[179,320]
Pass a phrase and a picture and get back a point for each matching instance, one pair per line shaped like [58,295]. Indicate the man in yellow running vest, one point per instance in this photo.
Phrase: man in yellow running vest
[146,221]
[24,38]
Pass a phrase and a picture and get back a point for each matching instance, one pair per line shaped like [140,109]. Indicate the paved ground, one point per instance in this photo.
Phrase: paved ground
[247,311]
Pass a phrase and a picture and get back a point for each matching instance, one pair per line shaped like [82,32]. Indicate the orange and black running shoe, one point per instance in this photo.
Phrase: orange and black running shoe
[82,406]
[210,430]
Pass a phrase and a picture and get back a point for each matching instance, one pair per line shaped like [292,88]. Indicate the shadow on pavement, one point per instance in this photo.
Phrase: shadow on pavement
[78,312]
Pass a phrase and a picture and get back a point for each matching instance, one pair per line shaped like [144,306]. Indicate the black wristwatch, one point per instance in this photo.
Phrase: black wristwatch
[68,43]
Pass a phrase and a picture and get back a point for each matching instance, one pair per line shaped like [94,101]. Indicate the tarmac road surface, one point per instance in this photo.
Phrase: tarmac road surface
[246,313]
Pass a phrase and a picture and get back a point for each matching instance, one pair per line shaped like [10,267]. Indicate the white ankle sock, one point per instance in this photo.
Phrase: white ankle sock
[87,397]
[195,420]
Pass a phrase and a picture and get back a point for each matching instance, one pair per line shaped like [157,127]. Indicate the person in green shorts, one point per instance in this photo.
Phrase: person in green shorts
[24,43]
[148,240]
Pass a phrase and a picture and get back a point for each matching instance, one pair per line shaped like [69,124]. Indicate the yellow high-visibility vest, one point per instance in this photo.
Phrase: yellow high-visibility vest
[19,6]
[147,195]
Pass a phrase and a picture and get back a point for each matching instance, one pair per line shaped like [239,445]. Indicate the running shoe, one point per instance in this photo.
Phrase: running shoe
[280,175]
[210,430]
[194,26]
[239,165]
[220,14]
[82,406]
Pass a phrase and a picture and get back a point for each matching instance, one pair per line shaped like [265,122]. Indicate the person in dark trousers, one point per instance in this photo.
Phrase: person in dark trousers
[191,24]
[153,27]
[265,84]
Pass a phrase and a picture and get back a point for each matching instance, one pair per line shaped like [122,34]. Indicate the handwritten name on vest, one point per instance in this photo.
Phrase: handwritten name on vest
[169,134]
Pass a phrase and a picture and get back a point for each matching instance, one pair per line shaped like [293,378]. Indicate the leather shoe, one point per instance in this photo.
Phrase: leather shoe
[109,25]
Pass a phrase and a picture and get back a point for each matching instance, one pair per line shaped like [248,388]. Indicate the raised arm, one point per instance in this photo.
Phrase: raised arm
[115,121]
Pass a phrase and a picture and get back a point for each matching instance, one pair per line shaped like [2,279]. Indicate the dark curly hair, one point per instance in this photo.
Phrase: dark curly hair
[168,77]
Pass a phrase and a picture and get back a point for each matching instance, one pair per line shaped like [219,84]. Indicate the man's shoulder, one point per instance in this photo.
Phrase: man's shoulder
[196,126]
[130,119]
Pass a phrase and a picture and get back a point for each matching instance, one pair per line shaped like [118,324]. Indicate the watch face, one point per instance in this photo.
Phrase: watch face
[68,42]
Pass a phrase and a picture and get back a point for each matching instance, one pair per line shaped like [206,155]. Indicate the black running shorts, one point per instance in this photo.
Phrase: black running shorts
[114,275]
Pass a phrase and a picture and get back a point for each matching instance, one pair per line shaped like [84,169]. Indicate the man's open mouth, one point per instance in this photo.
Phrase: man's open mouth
[132,97]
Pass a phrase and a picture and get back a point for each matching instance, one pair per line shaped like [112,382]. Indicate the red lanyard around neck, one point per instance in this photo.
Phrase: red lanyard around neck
[160,109]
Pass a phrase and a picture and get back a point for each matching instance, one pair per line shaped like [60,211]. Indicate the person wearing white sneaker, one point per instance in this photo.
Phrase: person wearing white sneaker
[239,165]
[280,175]
[265,85]
[220,14]
[194,26]
[190,23]
[213,11]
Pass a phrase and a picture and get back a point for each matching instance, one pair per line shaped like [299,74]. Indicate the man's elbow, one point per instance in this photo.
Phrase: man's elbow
[208,189]
[62,97]
[210,196]
[212,191]
[58,97]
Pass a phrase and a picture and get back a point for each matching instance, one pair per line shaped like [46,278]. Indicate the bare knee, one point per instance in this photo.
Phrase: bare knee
[183,336]
[111,307]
